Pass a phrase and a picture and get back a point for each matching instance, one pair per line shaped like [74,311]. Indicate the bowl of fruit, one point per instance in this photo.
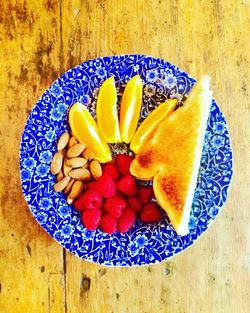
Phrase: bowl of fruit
[126,160]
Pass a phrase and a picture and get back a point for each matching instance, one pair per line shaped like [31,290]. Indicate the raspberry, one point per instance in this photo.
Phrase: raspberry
[91,185]
[108,224]
[134,204]
[126,220]
[127,185]
[150,213]
[105,186]
[78,203]
[145,194]
[91,218]
[113,161]
[111,170]
[91,200]
[114,206]
[123,162]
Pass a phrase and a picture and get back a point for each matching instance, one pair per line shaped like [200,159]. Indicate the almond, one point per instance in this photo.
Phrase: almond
[61,184]
[95,169]
[73,141]
[59,176]
[77,189]
[69,186]
[80,174]
[66,168]
[76,162]
[69,200]
[56,163]
[76,150]
[63,152]
[63,141]
[88,154]
[86,165]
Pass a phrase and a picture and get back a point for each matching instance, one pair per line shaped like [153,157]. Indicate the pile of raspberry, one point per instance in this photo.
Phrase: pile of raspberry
[114,201]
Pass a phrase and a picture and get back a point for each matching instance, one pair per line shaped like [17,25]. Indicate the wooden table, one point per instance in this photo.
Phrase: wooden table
[42,39]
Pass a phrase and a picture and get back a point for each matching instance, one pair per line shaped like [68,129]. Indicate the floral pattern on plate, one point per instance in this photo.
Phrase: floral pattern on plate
[143,244]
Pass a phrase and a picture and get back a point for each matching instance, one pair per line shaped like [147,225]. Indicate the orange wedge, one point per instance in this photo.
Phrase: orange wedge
[106,111]
[130,108]
[85,129]
[147,127]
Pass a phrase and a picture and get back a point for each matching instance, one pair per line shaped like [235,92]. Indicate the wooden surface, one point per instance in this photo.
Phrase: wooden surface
[40,40]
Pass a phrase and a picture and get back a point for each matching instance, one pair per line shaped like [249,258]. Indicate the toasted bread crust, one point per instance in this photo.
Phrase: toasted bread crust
[172,156]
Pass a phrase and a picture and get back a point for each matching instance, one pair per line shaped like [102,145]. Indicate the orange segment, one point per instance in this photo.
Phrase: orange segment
[145,130]
[130,108]
[85,129]
[106,111]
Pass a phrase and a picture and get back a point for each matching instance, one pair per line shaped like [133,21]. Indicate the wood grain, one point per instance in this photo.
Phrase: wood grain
[40,40]
[29,62]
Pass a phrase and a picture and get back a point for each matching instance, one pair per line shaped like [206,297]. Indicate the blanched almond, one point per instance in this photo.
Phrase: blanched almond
[59,176]
[69,186]
[61,184]
[76,162]
[63,141]
[77,189]
[66,168]
[56,163]
[80,174]
[73,141]
[76,150]
[88,154]
[95,169]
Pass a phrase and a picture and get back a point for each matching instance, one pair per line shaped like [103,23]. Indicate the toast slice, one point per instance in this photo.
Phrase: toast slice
[172,156]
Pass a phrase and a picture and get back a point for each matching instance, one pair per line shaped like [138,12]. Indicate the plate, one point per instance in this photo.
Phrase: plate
[144,243]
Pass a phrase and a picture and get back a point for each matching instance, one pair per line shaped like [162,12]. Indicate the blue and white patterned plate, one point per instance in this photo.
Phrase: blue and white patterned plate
[144,243]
